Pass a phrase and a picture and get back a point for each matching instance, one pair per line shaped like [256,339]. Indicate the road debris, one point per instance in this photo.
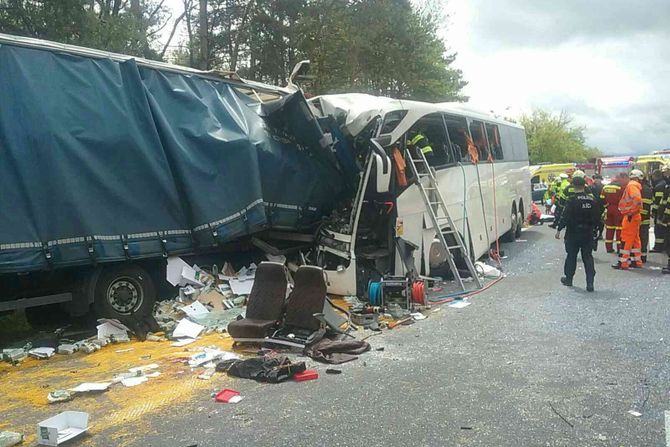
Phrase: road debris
[228,396]
[62,427]
[10,438]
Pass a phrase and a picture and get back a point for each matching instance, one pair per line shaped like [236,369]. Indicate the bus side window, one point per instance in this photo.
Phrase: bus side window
[494,141]
[477,132]
[457,128]
[432,127]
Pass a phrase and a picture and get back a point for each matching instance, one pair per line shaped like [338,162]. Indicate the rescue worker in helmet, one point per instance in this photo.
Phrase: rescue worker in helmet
[418,143]
[658,183]
[630,207]
[664,212]
[564,180]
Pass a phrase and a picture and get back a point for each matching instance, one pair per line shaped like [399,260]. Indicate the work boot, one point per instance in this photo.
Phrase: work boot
[636,265]
[566,282]
[589,287]
[666,270]
[619,266]
[644,259]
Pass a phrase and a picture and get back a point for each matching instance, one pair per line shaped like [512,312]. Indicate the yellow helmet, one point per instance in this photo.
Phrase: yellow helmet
[578,173]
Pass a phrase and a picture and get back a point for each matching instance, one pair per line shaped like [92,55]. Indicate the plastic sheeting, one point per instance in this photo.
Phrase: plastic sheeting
[104,161]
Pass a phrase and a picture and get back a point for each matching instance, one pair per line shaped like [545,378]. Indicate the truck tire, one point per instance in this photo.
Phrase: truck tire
[124,291]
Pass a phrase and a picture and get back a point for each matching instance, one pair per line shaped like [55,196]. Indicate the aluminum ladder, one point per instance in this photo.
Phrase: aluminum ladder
[434,207]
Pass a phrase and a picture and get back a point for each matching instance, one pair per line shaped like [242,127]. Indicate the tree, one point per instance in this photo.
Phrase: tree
[113,25]
[397,54]
[553,138]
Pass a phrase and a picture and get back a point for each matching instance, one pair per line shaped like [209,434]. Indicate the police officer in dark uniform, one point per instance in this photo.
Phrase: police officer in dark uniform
[580,218]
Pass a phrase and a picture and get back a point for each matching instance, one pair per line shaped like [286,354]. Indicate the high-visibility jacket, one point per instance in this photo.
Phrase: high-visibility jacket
[647,203]
[631,200]
[569,191]
[560,194]
[659,189]
[664,208]
[422,143]
[610,197]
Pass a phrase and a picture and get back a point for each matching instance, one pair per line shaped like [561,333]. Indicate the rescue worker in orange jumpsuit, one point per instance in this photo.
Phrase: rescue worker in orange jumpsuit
[630,206]
[609,198]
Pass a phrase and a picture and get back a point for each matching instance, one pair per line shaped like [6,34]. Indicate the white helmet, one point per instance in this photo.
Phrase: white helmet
[563,175]
[578,173]
[636,173]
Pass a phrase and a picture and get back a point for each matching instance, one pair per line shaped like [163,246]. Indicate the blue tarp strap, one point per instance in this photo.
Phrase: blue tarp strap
[215,234]
[161,237]
[47,253]
[90,241]
[124,241]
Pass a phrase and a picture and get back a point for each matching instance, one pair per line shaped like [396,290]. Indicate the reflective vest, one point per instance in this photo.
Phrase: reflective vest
[631,201]
[562,189]
[610,197]
[647,204]
[421,142]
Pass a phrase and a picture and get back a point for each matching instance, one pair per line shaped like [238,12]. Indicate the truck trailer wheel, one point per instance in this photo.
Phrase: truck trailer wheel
[124,291]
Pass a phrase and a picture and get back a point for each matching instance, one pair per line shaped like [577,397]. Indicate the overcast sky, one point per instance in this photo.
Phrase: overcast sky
[606,62]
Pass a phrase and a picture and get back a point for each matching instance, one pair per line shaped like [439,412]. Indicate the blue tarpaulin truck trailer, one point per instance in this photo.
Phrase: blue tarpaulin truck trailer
[109,164]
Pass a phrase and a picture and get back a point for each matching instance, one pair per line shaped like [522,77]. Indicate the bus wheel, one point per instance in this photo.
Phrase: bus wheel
[511,234]
[123,291]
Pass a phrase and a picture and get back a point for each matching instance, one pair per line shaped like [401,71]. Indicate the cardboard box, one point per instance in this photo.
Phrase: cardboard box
[62,427]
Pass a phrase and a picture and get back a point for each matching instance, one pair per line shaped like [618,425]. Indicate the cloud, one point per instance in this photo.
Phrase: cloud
[605,62]
[546,23]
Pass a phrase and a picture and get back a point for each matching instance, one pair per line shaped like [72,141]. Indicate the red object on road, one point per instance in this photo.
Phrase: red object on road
[226,395]
[308,374]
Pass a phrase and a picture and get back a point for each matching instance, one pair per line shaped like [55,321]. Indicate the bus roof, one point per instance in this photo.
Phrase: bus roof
[359,109]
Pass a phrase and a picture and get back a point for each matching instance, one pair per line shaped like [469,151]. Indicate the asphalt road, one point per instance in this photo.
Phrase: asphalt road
[529,363]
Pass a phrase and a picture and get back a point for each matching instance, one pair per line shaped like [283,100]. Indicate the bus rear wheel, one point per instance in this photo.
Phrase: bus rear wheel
[510,236]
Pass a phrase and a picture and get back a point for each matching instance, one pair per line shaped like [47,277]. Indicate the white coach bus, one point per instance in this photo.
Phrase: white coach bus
[487,200]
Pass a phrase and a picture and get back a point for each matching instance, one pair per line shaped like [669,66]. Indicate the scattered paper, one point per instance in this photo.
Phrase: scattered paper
[175,265]
[187,329]
[182,342]
[195,309]
[42,353]
[210,355]
[212,298]
[235,399]
[459,304]
[637,414]
[241,286]
[134,381]
[119,351]
[144,368]
[418,316]
[91,386]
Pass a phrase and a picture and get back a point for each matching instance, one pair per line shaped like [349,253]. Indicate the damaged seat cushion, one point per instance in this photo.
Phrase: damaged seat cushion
[266,303]
[251,328]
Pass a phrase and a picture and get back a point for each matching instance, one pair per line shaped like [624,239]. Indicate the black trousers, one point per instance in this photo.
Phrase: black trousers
[576,241]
